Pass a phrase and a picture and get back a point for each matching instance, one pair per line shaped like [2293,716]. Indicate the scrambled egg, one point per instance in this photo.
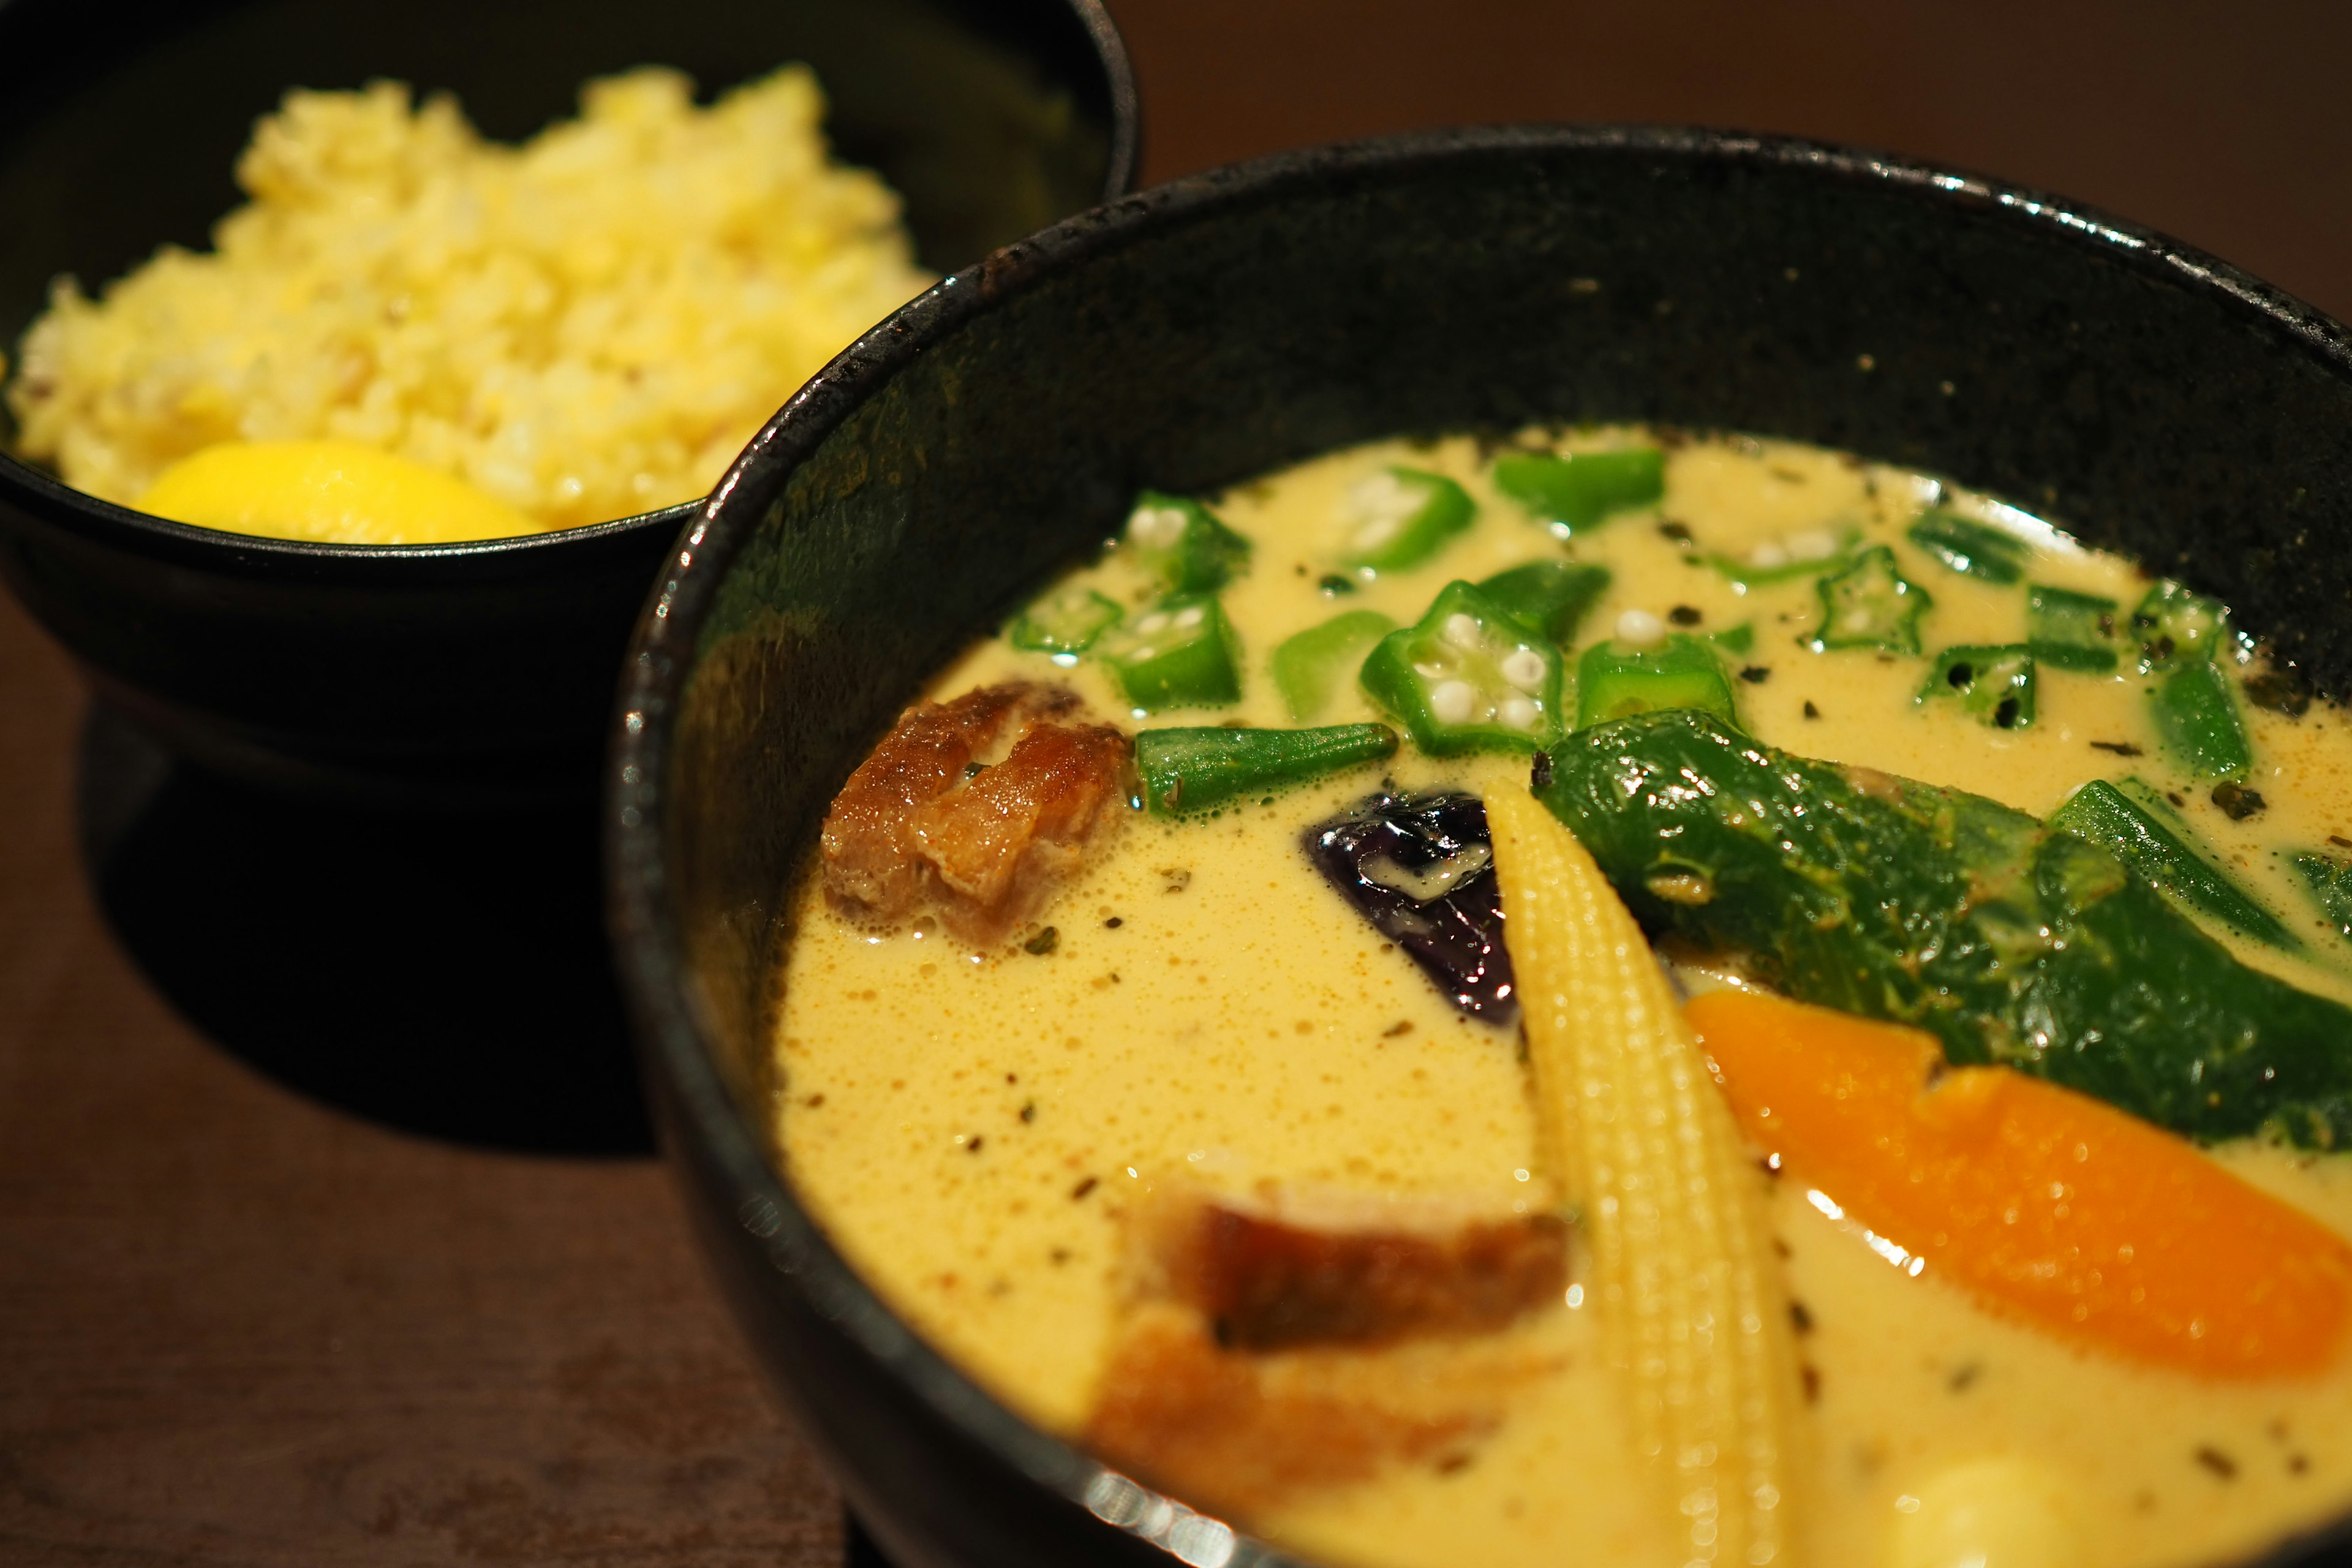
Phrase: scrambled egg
[582,328]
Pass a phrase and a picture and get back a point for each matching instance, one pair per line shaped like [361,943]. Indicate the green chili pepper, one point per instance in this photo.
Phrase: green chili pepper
[2067,630]
[1192,770]
[1309,666]
[1571,494]
[2175,625]
[1467,677]
[2330,878]
[1613,680]
[2010,941]
[1399,518]
[1066,622]
[1870,604]
[1550,596]
[1972,548]
[2196,717]
[1996,684]
[2132,820]
[1183,544]
[1182,653]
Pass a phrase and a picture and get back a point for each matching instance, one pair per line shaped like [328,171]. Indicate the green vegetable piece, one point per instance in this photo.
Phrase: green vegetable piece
[2010,941]
[1613,680]
[1971,547]
[1467,677]
[1550,596]
[2330,878]
[1066,622]
[2196,718]
[2067,630]
[1870,604]
[1183,544]
[1573,494]
[1740,639]
[2132,820]
[1186,771]
[2175,625]
[1815,553]
[1182,653]
[1399,518]
[1309,666]
[1996,684]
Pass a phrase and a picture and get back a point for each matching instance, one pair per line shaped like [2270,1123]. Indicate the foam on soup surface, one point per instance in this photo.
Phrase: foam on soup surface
[991,1129]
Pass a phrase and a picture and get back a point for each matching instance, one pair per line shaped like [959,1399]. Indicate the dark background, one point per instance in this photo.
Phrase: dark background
[258,1308]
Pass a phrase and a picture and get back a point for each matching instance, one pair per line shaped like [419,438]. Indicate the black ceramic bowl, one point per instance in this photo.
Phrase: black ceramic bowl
[468,672]
[1210,330]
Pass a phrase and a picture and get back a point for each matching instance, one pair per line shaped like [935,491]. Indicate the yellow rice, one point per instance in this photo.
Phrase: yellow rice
[585,327]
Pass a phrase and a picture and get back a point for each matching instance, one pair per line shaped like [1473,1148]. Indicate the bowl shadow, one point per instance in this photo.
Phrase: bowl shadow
[445,975]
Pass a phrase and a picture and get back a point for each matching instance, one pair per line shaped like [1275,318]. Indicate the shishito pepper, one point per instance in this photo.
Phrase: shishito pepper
[1971,547]
[1399,518]
[1573,494]
[1870,604]
[1182,653]
[1192,770]
[2132,820]
[2011,942]
[1310,666]
[1550,596]
[1183,544]
[1467,677]
[2067,630]
[1065,622]
[1615,680]
[1995,684]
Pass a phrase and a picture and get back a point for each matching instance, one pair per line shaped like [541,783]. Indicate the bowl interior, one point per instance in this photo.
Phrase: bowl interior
[2150,398]
[121,120]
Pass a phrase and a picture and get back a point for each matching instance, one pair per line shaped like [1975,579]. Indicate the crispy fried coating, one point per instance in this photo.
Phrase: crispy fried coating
[974,809]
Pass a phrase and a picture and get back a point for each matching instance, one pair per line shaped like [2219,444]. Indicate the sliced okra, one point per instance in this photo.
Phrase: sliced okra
[1550,596]
[1738,640]
[2067,630]
[1065,621]
[1183,545]
[1310,666]
[2196,717]
[2133,820]
[1870,604]
[1194,769]
[1971,547]
[1574,493]
[1399,518]
[2175,625]
[1182,653]
[1615,679]
[1811,553]
[1467,677]
[1994,683]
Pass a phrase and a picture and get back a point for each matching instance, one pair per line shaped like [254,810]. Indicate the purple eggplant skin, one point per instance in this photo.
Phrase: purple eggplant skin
[1456,937]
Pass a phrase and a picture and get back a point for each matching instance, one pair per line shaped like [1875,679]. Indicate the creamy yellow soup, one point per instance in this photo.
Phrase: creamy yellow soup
[975,1128]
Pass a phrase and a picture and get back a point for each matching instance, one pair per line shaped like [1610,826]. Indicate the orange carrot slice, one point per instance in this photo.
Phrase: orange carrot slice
[2046,1204]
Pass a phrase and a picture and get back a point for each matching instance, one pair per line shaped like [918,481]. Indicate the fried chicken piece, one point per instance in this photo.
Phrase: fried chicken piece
[975,809]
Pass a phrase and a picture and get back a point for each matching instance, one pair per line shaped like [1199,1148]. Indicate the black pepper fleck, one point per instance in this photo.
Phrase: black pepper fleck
[1812,711]
[1684,615]
[2120,747]
[1083,1188]
[1756,674]
[2236,801]
[2219,1463]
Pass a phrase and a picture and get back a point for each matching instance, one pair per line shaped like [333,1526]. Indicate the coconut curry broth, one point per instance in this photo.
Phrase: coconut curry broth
[982,1126]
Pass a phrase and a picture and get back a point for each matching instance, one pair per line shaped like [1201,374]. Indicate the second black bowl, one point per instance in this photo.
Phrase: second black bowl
[468,672]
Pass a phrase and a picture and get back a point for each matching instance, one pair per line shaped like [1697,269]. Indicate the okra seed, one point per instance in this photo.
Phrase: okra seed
[1641,628]
[1157,525]
[1156,621]
[1462,630]
[1813,544]
[1523,670]
[1453,700]
[1768,555]
[1521,714]
[1190,616]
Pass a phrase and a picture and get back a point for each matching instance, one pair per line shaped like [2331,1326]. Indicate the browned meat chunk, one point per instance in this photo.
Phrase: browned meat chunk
[975,809]
[1263,1284]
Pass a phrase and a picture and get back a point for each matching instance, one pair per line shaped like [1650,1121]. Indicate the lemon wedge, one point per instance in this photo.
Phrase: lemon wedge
[336,492]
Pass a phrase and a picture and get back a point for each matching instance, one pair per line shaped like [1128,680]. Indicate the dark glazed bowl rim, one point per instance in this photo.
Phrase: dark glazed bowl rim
[111,522]
[673,1040]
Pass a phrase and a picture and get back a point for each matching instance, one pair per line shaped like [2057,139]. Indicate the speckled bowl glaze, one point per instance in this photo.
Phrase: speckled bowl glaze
[466,673]
[1205,331]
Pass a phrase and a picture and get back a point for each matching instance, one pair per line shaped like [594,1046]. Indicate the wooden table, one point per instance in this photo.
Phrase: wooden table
[272,1290]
